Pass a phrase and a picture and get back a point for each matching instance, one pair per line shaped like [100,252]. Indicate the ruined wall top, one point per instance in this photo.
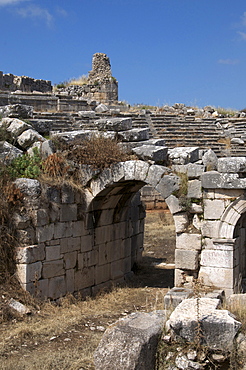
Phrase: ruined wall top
[101,68]
[10,82]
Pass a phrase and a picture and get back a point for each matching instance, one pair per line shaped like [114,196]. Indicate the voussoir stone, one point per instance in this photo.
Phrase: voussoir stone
[131,342]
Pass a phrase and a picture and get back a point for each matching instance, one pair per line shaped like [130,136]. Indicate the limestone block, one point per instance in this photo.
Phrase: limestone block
[102,273]
[28,137]
[40,217]
[173,204]
[130,337]
[17,110]
[134,134]
[103,234]
[167,185]
[29,272]
[158,154]
[45,233]
[194,189]
[210,160]
[127,265]
[70,281]
[210,229]
[197,222]
[70,260]
[213,209]
[57,287]
[78,228]
[101,108]
[87,113]
[67,194]
[26,236]
[155,174]
[53,252]
[215,180]
[30,254]
[196,208]
[192,170]
[186,259]
[8,152]
[181,222]
[70,244]
[141,170]
[218,327]
[188,241]
[232,164]
[228,193]
[217,258]
[17,127]
[183,155]
[217,276]
[21,221]
[102,181]
[62,230]
[70,137]
[92,258]
[117,269]
[87,243]
[53,268]
[179,277]
[53,194]
[114,124]
[68,212]
[42,126]
[117,170]
[157,142]
[39,288]
[29,187]
[175,296]
[84,278]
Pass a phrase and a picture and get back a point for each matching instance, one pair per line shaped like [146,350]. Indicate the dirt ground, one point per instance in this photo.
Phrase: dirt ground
[65,335]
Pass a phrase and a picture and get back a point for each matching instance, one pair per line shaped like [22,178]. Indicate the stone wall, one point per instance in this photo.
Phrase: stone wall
[10,82]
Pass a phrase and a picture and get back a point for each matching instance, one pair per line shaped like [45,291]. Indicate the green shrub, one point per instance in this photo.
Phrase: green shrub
[26,165]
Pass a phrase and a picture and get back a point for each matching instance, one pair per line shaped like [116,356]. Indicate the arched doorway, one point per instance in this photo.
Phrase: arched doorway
[240,253]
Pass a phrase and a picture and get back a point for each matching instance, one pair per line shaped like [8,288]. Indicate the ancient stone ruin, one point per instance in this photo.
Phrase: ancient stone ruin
[74,241]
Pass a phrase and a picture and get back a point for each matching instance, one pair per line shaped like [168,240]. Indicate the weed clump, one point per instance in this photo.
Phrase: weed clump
[99,152]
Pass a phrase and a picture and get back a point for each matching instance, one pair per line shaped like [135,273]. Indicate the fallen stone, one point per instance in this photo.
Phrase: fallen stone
[183,155]
[131,342]
[28,137]
[17,111]
[8,152]
[218,327]
[216,180]
[158,154]
[237,141]
[87,114]
[19,307]
[114,124]
[16,127]
[42,126]
[210,160]
[101,108]
[134,135]
[175,296]
[232,164]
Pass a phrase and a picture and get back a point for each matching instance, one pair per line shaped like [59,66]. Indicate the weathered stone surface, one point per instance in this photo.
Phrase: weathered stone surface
[167,185]
[173,204]
[193,170]
[29,187]
[232,164]
[28,137]
[210,160]
[215,180]
[8,152]
[30,254]
[186,259]
[218,327]
[101,108]
[194,189]
[175,296]
[29,272]
[19,307]
[114,124]
[17,127]
[130,343]
[213,209]
[42,126]
[181,222]
[154,153]
[183,155]
[189,241]
[134,135]
[217,258]
[17,110]
[87,114]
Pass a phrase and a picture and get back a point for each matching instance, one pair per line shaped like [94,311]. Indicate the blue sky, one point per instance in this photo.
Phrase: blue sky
[161,51]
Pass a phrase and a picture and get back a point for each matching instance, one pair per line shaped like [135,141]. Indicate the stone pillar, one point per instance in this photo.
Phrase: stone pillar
[220,264]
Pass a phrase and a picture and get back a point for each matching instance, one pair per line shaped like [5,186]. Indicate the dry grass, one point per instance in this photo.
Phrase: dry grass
[65,336]
[79,81]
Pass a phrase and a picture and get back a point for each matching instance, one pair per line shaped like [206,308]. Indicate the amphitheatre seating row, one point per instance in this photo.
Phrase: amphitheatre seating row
[176,130]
